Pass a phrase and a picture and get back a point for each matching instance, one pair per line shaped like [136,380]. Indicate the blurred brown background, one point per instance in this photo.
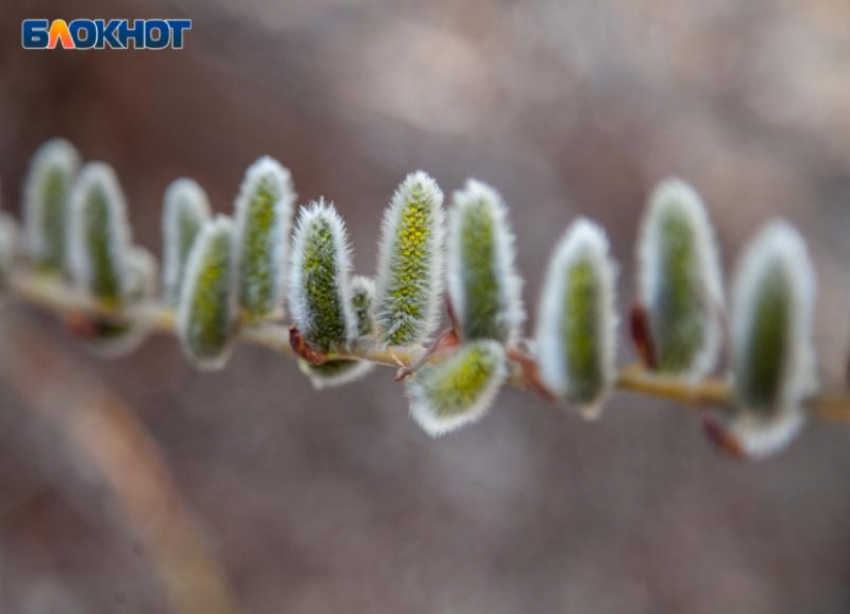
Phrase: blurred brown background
[336,501]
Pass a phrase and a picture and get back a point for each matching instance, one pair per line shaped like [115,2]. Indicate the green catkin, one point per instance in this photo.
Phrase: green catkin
[773,355]
[483,286]
[47,191]
[206,312]
[263,223]
[409,282]
[186,210]
[99,234]
[679,281]
[319,293]
[460,389]
[577,322]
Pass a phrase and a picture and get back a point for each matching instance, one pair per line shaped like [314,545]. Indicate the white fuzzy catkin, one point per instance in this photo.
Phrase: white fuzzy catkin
[777,254]
[206,312]
[561,329]
[99,233]
[677,246]
[410,261]
[46,206]
[263,223]
[186,209]
[460,389]
[319,284]
[483,286]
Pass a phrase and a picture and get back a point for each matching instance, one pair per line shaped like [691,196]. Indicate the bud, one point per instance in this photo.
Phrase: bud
[410,262]
[319,291]
[363,303]
[483,286]
[207,309]
[46,210]
[263,223]
[459,390]
[99,234]
[338,372]
[679,281]
[773,355]
[186,210]
[577,322]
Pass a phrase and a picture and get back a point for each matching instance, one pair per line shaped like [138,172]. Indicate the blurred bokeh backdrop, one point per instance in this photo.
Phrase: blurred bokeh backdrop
[336,501]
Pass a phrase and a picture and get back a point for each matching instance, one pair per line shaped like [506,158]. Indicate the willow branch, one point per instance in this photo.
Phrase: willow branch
[53,294]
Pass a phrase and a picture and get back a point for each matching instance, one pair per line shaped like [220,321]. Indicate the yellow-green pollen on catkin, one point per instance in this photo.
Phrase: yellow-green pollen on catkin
[404,314]
[258,272]
[680,314]
[483,296]
[760,368]
[454,385]
[580,331]
[210,318]
[321,280]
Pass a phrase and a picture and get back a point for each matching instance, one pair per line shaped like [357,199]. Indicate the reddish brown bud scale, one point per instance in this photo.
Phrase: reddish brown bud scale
[530,372]
[303,349]
[642,336]
[722,439]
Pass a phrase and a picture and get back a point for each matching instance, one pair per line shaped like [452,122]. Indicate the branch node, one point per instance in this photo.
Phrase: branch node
[445,343]
[530,372]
